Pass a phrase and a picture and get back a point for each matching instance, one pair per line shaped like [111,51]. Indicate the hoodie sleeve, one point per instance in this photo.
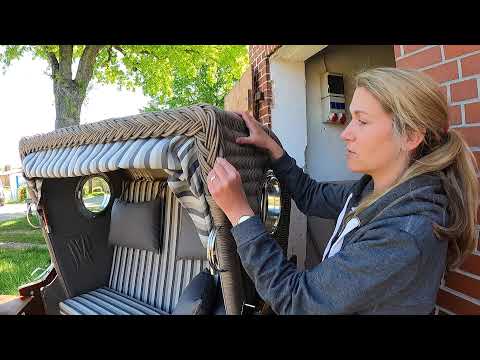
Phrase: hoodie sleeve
[363,274]
[322,199]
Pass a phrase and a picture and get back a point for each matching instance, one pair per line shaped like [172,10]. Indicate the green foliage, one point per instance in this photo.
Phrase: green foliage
[208,82]
[172,75]
[22,193]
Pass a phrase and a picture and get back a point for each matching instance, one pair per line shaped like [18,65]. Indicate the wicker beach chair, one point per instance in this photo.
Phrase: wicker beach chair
[160,158]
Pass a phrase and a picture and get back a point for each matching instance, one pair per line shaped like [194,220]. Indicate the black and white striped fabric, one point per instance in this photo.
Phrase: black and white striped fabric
[157,279]
[175,155]
[106,301]
[152,280]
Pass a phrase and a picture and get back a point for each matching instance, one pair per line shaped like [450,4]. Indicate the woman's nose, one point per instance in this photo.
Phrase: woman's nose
[347,133]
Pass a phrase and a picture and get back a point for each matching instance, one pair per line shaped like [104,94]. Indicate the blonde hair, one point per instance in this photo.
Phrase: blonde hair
[417,104]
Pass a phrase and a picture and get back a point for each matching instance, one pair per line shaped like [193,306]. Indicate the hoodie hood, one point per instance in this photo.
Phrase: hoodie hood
[421,195]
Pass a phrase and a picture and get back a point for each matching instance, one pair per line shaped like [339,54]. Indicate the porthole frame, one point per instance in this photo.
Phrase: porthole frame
[271,215]
[78,196]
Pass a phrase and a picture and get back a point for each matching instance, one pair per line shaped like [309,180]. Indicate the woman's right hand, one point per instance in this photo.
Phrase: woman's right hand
[258,136]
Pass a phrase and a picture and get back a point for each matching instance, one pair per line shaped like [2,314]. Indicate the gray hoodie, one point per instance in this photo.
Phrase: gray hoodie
[391,263]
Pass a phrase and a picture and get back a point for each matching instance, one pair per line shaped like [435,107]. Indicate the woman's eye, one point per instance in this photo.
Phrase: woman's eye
[361,122]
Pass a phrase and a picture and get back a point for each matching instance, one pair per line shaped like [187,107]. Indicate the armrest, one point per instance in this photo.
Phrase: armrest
[13,305]
[32,290]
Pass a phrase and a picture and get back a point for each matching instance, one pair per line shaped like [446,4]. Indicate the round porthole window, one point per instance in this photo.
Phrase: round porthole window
[271,207]
[94,193]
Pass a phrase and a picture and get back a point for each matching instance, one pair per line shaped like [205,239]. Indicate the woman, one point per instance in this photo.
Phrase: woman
[411,214]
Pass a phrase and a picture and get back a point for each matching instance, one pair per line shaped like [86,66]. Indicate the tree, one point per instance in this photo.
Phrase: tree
[209,84]
[172,75]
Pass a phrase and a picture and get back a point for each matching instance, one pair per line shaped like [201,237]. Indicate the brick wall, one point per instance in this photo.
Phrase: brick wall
[457,69]
[259,59]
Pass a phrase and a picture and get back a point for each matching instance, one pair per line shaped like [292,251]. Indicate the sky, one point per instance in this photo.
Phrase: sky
[27,105]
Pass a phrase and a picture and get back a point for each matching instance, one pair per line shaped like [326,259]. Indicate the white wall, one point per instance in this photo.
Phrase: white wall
[289,110]
[325,153]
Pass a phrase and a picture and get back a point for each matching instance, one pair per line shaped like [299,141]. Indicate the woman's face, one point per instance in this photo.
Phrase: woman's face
[371,146]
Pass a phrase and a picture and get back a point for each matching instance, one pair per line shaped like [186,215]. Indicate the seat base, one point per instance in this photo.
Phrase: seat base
[106,301]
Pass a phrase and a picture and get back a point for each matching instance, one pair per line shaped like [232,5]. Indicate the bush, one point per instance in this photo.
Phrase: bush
[22,193]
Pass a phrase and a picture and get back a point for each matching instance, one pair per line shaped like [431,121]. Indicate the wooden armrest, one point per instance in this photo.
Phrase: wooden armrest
[13,305]
[31,288]
[32,291]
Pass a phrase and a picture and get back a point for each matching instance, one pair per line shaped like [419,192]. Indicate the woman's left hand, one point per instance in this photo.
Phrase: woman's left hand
[225,185]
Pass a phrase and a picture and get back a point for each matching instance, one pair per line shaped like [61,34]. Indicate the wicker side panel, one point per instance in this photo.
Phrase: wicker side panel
[252,164]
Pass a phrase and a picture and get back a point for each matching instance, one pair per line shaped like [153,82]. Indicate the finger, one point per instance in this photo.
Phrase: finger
[244,140]
[220,171]
[211,184]
[249,122]
[229,168]
[249,117]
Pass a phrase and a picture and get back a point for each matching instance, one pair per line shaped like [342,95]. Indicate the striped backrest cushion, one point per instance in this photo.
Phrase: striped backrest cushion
[156,279]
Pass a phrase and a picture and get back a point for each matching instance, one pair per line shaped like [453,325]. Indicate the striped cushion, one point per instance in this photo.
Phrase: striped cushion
[157,279]
[176,155]
[106,301]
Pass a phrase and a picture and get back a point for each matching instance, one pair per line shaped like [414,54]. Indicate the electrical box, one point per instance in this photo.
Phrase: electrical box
[333,98]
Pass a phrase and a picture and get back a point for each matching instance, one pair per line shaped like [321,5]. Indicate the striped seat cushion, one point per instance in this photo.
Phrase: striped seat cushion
[106,301]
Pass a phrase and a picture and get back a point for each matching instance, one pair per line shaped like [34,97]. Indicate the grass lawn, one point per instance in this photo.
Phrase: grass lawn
[16,265]
[18,230]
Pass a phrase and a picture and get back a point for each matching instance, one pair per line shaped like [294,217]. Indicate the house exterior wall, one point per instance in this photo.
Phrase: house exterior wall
[457,69]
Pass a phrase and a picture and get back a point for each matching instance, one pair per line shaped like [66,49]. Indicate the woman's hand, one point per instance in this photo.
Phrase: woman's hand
[258,136]
[225,185]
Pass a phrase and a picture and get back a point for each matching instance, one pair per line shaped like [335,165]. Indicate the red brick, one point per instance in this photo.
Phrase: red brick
[471,65]
[472,112]
[454,115]
[471,264]
[268,92]
[464,284]
[263,112]
[264,109]
[264,76]
[444,72]
[477,157]
[470,134]
[262,67]
[464,90]
[396,49]
[452,51]
[264,119]
[424,58]
[456,305]
[410,48]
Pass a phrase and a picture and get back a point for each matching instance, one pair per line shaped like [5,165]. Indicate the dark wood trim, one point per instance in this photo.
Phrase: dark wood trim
[32,290]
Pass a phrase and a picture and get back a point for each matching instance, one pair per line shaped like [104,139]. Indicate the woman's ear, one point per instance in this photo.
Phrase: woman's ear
[414,139]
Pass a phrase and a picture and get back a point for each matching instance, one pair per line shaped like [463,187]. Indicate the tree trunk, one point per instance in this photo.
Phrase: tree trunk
[70,93]
[68,102]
